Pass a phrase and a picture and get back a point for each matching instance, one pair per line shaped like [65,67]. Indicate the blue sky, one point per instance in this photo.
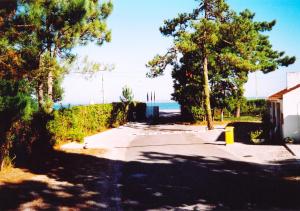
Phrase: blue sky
[136,39]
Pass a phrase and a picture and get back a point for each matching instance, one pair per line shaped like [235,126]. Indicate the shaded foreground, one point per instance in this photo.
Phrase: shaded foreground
[196,181]
[67,180]
[77,181]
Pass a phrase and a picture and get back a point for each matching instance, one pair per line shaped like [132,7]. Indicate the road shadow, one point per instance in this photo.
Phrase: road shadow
[216,183]
[157,181]
[74,181]
[169,118]
[242,132]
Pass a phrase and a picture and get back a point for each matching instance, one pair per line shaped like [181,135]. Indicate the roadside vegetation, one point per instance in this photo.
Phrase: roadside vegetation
[73,124]
[251,111]
[214,50]
[36,43]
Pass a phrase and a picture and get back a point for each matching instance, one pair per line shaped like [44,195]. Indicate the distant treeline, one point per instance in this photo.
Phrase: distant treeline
[254,107]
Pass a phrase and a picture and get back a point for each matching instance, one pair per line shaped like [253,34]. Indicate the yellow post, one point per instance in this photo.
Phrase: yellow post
[229,135]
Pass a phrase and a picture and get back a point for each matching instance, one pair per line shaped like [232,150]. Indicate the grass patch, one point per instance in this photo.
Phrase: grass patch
[244,119]
[228,120]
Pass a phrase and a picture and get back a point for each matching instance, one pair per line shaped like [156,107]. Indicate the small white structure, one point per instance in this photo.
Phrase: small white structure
[285,109]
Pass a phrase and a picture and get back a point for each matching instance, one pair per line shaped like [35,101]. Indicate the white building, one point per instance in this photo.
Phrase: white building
[285,109]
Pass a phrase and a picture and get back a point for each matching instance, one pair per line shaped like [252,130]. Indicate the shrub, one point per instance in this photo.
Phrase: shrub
[73,124]
[192,113]
[16,111]
[257,134]
[257,137]
[198,113]
[255,107]
[77,122]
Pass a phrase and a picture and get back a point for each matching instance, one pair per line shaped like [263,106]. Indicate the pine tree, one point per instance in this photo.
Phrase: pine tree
[227,45]
[61,25]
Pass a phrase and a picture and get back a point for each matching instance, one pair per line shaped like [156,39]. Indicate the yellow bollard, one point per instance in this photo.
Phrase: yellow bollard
[229,135]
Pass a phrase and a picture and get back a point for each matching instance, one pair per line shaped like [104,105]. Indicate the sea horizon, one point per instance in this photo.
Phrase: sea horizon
[163,105]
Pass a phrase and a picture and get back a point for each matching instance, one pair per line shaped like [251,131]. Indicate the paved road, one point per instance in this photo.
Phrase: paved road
[168,171]
[157,167]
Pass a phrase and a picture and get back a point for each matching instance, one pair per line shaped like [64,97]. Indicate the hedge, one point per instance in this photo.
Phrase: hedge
[75,123]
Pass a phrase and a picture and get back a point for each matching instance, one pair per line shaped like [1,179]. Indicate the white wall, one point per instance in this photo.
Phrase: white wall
[291,114]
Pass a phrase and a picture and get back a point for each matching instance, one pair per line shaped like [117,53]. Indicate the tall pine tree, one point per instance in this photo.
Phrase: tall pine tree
[227,45]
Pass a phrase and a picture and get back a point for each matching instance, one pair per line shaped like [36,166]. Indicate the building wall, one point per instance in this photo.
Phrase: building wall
[291,114]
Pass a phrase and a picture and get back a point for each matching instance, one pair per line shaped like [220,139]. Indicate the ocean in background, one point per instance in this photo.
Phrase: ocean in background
[162,105]
[57,106]
[166,105]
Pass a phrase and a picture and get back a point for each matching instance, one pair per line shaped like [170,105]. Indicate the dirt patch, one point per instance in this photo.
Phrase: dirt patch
[89,151]
[15,175]
[67,179]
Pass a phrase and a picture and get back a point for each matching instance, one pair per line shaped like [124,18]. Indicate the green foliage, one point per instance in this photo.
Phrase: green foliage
[41,34]
[35,38]
[243,119]
[254,107]
[16,100]
[127,95]
[126,99]
[198,113]
[58,91]
[233,44]
[77,122]
[73,124]
[16,107]
[257,137]
[256,134]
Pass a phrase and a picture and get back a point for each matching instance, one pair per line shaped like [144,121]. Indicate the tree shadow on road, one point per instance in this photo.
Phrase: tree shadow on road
[217,183]
[65,180]
[157,181]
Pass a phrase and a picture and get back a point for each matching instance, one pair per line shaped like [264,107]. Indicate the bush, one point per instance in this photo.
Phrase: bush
[77,122]
[17,108]
[192,113]
[257,134]
[73,124]
[257,137]
[198,113]
[254,107]
[30,134]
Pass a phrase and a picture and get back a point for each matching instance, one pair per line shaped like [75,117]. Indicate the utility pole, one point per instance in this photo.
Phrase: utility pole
[256,91]
[102,89]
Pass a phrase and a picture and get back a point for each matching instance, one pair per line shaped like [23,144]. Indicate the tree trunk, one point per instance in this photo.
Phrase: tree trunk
[222,115]
[50,88]
[205,77]
[238,111]
[207,95]
[40,93]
